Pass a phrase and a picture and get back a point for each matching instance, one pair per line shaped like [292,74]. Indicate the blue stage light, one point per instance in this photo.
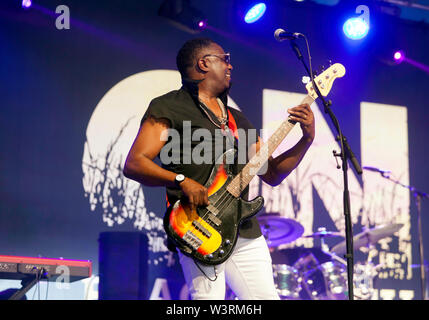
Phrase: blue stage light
[255,12]
[355,28]
[26,4]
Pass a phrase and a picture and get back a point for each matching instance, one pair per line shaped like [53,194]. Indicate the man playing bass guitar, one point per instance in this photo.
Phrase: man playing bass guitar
[201,104]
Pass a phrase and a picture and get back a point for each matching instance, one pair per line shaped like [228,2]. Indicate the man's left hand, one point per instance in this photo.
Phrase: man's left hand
[303,114]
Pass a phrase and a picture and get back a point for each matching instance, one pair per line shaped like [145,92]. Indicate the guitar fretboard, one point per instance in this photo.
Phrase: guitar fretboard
[242,180]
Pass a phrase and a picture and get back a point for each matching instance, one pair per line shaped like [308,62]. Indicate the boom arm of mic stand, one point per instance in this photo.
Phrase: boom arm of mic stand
[346,152]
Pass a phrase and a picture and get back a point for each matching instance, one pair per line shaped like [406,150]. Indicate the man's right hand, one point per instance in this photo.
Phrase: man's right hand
[196,194]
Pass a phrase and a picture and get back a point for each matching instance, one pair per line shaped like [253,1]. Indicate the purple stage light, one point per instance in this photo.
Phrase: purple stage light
[202,24]
[399,56]
[26,3]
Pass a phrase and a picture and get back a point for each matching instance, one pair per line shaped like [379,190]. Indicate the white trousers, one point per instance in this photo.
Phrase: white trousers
[248,272]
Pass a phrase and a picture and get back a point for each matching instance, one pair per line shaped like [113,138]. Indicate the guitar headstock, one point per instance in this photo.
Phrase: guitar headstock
[325,80]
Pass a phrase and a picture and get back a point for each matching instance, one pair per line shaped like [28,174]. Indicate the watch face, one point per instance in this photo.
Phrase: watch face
[180,177]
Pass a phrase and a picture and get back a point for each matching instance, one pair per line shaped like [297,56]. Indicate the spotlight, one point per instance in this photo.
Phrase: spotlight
[399,56]
[255,12]
[181,14]
[355,28]
[248,11]
[202,24]
[26,4]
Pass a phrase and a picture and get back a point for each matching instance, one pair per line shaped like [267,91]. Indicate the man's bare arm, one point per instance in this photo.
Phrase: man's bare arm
[140,166]
[280,167]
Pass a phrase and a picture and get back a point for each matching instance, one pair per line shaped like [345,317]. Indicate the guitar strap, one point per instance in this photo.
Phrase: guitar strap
[232,125]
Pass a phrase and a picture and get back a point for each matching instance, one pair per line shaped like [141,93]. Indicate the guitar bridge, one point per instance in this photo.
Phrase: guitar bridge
[192,240]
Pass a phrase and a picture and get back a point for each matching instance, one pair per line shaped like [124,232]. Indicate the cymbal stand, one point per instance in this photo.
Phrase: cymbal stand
[418,195]
[323,245]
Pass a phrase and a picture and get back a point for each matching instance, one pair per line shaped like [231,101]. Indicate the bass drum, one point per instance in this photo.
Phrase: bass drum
[287,281]
[326,282]
[364,280]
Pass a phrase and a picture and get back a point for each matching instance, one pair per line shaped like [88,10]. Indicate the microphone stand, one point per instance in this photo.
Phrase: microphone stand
[345,154]
[418,195]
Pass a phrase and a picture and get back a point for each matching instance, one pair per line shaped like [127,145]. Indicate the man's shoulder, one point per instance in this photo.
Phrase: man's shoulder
[177,95]
[170,96]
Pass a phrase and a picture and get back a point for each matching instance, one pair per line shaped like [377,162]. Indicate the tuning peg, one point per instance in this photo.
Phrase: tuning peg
[330,62]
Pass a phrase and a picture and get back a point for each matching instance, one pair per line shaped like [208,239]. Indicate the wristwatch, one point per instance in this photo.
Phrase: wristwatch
[179,178]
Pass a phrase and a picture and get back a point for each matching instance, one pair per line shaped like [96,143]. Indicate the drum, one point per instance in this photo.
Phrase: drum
[363,280]
[287,281]
[326,282]
[336,279]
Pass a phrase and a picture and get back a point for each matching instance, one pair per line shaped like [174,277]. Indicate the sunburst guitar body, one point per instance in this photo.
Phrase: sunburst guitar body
[208,234]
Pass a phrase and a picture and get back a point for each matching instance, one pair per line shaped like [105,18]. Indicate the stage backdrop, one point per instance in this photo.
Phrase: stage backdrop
[72,97]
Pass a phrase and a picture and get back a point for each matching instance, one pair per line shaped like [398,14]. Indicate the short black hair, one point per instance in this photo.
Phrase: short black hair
[189,52]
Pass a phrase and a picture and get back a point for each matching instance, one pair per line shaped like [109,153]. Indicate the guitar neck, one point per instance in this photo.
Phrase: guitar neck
[242,180]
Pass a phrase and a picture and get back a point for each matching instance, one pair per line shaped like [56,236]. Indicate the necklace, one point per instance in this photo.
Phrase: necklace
[221,120]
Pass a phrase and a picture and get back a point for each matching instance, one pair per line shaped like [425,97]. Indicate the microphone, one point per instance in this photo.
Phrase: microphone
[383,172]
[282,35]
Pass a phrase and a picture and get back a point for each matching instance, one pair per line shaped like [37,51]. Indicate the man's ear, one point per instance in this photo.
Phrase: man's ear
[202,66]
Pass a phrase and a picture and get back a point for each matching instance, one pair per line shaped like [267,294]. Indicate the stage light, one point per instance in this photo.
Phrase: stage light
[26,3]
[202,24]
[183,15]
[255,12]
[355,28]
[399,56]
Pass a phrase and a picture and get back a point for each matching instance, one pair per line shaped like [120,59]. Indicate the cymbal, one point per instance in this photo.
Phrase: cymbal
[325,234]
[367,237]
[278,230]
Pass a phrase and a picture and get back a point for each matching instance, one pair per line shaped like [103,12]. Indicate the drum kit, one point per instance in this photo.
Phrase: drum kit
[319,273]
